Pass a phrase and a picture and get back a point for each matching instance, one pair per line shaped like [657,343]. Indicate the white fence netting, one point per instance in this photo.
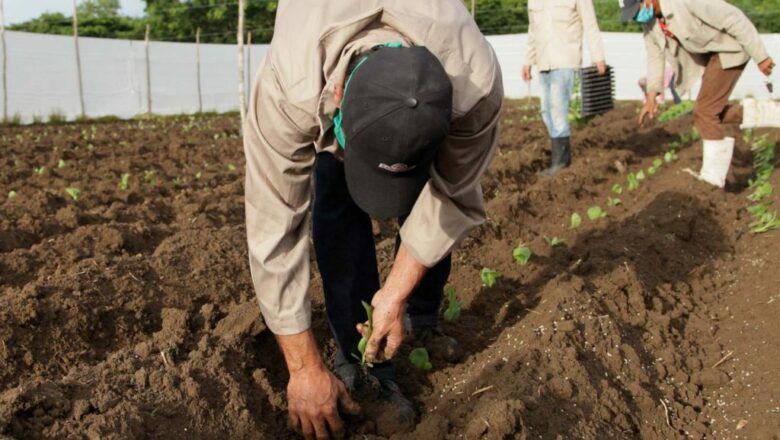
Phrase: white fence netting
[42,75]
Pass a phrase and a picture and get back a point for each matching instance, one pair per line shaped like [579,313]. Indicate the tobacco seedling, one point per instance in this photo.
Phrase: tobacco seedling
[453,305]
[364,340]
[522,254]
[766,222]
[198,175]
[489,277]
[61,164]
[39,170]
[11,194]
[554,241]
[595,213]
[763,190]
[124,181]
[231,167]
[670,156]
[74,193]
[657,164]
[640,176]
[617,188]
[633,182]
[614,201]
[758,210]
[419,358]
[575,221]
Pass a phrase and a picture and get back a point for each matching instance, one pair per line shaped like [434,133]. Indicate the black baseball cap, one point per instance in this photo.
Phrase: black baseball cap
[629,9]
[396,111]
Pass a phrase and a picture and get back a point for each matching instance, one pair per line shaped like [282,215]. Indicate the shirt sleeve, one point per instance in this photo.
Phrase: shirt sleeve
[451,203]
[730,19]
[279,159]
[656,63]
[530,55]
[592,32]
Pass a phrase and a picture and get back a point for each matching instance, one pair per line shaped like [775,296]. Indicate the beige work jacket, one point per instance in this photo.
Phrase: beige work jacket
[289,122]
[555,34]
[700,27]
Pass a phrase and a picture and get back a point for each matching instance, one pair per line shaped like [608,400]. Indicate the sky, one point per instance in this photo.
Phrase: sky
[17,11]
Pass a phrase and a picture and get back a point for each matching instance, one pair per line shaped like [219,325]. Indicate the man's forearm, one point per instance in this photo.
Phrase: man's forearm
[405,275]
[300,351]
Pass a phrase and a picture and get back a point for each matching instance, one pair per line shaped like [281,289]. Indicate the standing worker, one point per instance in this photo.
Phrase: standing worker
[372,108]
[712,40]
[555,34]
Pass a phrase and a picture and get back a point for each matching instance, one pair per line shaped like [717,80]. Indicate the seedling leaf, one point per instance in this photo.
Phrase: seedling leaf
[554,241]
[633,182]
[575,222]
[419,358]
[74,193]
[614,202]
[231,167]
[453,305]
[11,194]
[640,176]
[489,277]
[61,164]
[617,188]
[595,213]
[658,163]
[364,340]
[522,255]
[124,181]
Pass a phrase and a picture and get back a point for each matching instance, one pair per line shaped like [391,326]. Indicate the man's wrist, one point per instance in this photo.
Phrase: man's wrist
[300,352]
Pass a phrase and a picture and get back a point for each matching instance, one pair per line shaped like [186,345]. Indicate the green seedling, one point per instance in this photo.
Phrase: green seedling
[364,340]
[554,242]
[90,147]
[640,176]
[231,167]
[453,305]
[522,254]
[39,170]
[595,213]
[617,188]
[74,193]
[676,111]
[614,201]
[61,164]
[761,191]
[758,210]
[670,156]
[124,181]
[419,358]
[489,277]
[177,181]
[148,175]
[11,194]
[767,222]
[198,175]
[575,221]
[633,182]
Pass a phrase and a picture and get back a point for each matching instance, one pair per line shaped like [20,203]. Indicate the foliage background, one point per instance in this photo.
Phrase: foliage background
[178,20]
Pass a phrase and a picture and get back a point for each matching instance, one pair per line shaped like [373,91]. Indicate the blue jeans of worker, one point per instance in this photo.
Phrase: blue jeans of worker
[346,257]
[556,94]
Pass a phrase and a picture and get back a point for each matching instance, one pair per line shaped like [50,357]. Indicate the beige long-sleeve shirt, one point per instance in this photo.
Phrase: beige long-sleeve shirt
[289,122]
[555,34]
[700,27]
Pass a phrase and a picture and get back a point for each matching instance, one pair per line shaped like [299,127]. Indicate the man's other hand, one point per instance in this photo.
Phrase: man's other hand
[527,73]
[649,109]
[766,66]
[314,396]
[602,67]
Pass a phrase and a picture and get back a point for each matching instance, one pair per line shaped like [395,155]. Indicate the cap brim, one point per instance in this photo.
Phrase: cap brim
[629,12]
[380,193]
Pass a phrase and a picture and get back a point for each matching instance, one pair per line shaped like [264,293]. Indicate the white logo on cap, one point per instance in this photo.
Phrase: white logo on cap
[397,168]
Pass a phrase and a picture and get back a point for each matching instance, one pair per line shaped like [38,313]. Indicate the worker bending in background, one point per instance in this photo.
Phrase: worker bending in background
[710,40]
[370,108]
[555,37]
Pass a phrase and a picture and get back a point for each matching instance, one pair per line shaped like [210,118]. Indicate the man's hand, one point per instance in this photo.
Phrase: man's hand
[649,109]
[313,393]
[766,66]
[388,330]
[602,67]
[313,397]
[527,73]
[388,306]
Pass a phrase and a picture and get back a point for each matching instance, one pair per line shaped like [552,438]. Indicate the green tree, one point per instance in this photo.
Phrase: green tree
[89,9]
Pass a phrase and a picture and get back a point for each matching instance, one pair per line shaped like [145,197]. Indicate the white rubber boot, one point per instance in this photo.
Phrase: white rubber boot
[716,162]
[760,113]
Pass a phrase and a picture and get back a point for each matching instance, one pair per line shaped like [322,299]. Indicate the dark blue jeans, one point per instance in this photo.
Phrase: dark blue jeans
[346,257]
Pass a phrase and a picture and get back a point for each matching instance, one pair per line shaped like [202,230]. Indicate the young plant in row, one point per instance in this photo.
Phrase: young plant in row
[522,254]
[633,182]
[364,340]
[766,222]
[657,164]
[554,242]
[489,277]
[617,188]
[453,305]
[575,221]
[596,213]
[74,193]
[420,359]
[124,181]
[612,202]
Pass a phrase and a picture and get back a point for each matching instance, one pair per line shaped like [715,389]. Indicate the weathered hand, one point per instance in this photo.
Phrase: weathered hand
[648,110]
[602,67]
[314,395]
[388,332]
[526,73]
[766,66]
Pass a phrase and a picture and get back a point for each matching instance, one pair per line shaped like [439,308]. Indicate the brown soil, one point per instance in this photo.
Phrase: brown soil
[130,313]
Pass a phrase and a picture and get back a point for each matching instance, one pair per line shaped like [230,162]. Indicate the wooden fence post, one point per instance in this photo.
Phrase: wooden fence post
[197,57]
[78,57]
[241,73]
[5,63]
[148,72]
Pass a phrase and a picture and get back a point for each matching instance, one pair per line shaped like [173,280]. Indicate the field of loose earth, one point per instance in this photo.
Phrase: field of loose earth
[129,313]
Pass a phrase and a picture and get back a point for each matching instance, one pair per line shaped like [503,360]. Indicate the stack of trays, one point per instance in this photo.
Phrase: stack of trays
[597,91]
